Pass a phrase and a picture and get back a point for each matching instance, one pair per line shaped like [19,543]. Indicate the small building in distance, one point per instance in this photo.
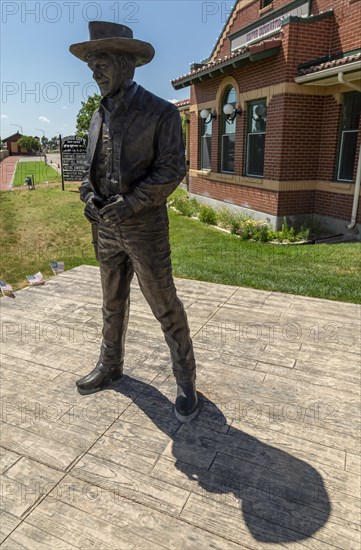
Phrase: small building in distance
[11,144]
[275,114]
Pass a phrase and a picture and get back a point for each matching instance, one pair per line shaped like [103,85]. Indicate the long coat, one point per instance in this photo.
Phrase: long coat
[148,150]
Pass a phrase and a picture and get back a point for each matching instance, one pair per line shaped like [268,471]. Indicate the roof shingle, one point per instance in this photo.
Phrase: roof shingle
[252,49]
[330,64]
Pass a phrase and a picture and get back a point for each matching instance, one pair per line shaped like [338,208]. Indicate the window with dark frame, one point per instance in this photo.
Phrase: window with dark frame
[256,137]
[265,3]
[228,133]
[206,144]
[350,119]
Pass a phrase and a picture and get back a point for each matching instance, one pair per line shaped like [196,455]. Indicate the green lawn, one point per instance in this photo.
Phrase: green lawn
[48,225]
[41,171]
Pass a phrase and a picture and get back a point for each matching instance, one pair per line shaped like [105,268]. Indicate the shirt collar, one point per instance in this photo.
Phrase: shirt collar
[120,100]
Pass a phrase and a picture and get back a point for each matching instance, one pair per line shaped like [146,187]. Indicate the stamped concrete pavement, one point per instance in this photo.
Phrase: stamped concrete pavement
[271,461]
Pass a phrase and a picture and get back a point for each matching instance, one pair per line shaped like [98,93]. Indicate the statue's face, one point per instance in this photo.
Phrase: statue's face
[107,73]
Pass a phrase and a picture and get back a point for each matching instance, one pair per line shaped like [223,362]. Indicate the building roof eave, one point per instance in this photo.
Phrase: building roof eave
[252,54]
[12,135]
[206,60]
[329,76]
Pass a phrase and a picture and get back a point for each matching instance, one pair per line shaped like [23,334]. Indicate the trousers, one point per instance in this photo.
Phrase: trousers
[140,245]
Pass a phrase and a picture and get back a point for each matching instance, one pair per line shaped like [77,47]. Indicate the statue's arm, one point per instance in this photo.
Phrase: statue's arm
[86,188]
[168,168]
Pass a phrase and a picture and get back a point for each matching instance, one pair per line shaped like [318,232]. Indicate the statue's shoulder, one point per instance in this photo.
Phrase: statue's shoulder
[95,115]
[152,101]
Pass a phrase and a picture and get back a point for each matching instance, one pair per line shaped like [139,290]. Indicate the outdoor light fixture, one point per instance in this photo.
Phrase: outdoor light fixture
[204,114]
[260,112]
[231,112]
[18,125]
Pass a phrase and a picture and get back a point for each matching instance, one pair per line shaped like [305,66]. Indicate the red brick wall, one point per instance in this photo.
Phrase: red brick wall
[336,205]
[301,136]
[329,144]
[302,130]
[245,17]
[347,29]
[329,139]
[274,139]
[285,203]
[303,42]
[194,141]
[296,202]
[293,139]
[215,160]
[248,197]
[325,203]
[343,33]
[253,75]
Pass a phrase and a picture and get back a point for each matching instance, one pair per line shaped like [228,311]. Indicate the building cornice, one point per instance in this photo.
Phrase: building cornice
[274,185]
[248,54]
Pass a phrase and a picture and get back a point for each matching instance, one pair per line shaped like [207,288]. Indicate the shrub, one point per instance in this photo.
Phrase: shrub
[258,231]
[238,224]
[263,233]
[207,214]
[303,234]
[229,220]
[195,205]
[184,206]
[224,218]
[288,234]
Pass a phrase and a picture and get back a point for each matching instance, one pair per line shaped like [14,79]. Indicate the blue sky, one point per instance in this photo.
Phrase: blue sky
[43,84]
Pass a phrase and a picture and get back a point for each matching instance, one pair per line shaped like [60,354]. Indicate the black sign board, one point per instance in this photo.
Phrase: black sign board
[73,157]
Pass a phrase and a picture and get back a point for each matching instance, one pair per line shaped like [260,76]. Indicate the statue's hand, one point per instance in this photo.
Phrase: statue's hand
[117,210]
[92,212]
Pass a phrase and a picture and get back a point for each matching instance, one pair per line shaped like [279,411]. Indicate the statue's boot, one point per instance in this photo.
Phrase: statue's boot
[95,380]
[186,404]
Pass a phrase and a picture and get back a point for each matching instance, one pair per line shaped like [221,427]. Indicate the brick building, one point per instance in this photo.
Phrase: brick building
[11,144]
[288,76]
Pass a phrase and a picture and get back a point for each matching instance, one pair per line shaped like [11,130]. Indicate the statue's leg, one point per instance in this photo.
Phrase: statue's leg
[168,309]
[147,244]
[116,274]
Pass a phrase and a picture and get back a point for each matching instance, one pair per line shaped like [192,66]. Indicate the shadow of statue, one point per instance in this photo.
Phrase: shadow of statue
[282,498]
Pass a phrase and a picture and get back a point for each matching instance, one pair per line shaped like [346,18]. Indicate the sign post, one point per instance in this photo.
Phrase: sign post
[72,153]
[61,162]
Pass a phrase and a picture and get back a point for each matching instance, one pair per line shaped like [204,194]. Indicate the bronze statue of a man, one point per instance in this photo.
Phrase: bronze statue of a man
[135,160]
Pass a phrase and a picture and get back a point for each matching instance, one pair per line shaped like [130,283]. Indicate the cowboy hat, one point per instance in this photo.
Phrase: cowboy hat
[113,38]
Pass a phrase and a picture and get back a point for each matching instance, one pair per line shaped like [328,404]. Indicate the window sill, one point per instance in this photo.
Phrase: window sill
[340,184]
[267,9]
[229,177]
[254,177]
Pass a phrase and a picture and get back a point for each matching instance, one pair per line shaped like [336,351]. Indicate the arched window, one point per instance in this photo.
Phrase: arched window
[206,143]
[228,133]
[256,137]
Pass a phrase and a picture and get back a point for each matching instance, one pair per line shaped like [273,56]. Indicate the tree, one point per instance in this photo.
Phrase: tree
[29,142]
[44,142]
[85,114]
[53,142]
[184,128]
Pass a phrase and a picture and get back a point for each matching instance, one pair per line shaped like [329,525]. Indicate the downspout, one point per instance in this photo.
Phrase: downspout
[352,223]
[346,83]
[356,194]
